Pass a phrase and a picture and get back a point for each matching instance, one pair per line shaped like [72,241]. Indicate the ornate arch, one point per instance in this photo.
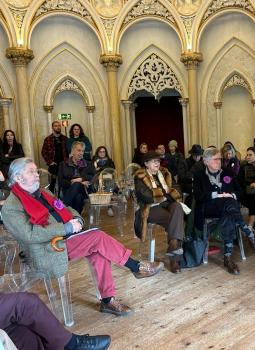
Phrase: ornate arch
[8,23]
[216,8]
[83,11]
[235,78]
[154,75]
[67,82]
[142,10]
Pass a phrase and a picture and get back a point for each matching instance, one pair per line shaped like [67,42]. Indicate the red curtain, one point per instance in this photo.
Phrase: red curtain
[159,122]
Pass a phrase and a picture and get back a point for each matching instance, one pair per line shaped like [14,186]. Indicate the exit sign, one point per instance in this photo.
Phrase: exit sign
[64,116]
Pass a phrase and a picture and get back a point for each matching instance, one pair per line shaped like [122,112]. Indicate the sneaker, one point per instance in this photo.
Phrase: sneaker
[87,342]
[148,269]
[110,212]
[115,307]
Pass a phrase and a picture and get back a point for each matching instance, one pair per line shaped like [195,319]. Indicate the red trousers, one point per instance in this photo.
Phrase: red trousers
[100,249]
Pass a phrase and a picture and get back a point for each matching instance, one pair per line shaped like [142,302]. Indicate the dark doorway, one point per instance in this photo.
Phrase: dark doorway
[158,122]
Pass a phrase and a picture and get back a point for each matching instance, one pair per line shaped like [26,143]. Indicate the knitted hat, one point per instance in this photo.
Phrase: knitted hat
[173,143]
[196,150]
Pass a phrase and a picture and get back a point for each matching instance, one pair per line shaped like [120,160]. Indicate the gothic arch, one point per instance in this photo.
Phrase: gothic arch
[215,9]
[79,87]
[173,79]
[81,10]
[136,11]
[235,78]
[7,22]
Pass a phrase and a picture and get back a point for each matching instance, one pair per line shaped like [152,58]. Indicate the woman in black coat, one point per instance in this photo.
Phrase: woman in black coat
[101,159]
[11,150]
[216,192]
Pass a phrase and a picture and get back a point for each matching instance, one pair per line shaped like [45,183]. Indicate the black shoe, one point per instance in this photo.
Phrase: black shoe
[87,342]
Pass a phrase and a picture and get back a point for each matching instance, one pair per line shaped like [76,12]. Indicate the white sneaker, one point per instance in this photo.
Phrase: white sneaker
[110,211]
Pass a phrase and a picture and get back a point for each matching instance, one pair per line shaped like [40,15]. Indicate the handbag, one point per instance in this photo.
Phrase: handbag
[250,190]
[193,252]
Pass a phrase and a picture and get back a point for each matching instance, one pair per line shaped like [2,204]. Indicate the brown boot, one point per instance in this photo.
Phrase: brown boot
[175,264]
[231,266]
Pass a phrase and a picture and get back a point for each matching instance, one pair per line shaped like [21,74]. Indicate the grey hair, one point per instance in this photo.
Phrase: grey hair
[210,152]
[76,143]
[16,168]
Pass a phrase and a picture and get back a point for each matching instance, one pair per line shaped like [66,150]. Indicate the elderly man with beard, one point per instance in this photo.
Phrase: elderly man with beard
[34,217]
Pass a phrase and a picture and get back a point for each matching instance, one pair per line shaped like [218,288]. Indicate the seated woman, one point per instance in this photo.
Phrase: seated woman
[74,177]
[11,150]
[216,192]
[230,160]
[34,217]
[157,202]
[101,159]
[76,133]
[247,181]
[139,153]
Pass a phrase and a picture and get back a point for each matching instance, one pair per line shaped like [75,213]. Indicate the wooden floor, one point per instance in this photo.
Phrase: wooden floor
[201,308]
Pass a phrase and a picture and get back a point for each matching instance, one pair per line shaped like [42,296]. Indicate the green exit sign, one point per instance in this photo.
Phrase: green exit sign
[64,116]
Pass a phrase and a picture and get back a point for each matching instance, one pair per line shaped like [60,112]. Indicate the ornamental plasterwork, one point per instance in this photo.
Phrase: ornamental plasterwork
[217,5]
[19,3]
[188,22]
[148,8]
[68,85]
[108,8]
[187,7]
[74,6]
[236,80]
[18,17]
[154,76]
[108,24]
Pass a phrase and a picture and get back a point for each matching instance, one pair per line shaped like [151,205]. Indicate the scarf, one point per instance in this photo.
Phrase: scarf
[38,213]
[214,180]
[161,180]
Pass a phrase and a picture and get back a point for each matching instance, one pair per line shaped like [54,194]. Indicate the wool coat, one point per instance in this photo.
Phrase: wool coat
[35,240]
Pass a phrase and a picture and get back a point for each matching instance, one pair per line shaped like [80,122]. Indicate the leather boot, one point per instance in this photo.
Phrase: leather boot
[231,266]
[175,253]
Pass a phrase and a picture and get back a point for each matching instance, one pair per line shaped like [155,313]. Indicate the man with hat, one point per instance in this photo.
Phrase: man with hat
[186,169]
[158,203]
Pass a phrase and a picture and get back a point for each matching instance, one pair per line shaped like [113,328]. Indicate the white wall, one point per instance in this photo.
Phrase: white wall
[238,118]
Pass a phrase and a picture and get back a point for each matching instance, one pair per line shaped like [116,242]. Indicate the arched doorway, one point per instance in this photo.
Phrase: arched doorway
[159,121]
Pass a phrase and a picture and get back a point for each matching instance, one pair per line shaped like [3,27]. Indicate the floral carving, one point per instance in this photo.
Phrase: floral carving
[68,85]
[18,17]
[148,8]
[74,6]
[236,80]
[218,5]
[188,22]
[154,76]
[108,24]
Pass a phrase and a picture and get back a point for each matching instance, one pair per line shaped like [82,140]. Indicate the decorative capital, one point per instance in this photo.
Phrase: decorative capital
[183,101]
[191,60]
[217,105]
[48,109]
[19,56]
[126,103]
[111,62]
[5,101]
[90,109]
[253,101]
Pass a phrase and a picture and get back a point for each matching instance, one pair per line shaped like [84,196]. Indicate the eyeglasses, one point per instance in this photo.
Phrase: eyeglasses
[34,172]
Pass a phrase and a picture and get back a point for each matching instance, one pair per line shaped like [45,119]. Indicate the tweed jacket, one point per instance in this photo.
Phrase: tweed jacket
[147,195]
[35,239]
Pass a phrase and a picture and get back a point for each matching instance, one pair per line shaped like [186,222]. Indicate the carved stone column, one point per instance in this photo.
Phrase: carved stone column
[20,57]
[191,61]
[186,130]
[218,106]
[49,110]
[127,131]
[90,110]
[112,63]
[5,103]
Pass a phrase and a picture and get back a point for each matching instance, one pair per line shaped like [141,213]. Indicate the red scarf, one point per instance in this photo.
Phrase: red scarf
[39,214]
